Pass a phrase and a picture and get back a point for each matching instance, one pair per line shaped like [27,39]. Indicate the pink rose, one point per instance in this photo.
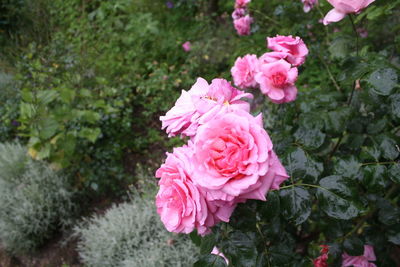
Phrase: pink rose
[244,71]
[360,261]
[295,47]
[241,3]
[344,7]
[277,80]
[187,46]
[239,13]
[308,5]
[216,251]
[181,204]
[270,57]
[243,24]
[234,160]
[201,103]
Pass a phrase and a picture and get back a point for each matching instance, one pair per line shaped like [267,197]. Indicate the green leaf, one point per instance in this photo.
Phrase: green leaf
[388,213]
[336,120]
[90,133]
[27,110]
[309,137]
[210,260]
[347,167]
[207,244]
[302,166]
[383,81]
[374,178]
[336,198]
[296,204]
[354,246]
[388,147]
[47,128]
[271,207]
[393,234]
[340,47]
[196,239]
[280,254]
[394,173]
[241,248]
[47,96]
[395,105]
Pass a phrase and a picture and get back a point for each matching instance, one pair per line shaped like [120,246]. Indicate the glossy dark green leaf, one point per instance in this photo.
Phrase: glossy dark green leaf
[296,204]
[377,126]
[241,248]
[393,234]
[207,244]
[210,260]
[336,198]
[388,147]
[271,207]
[354,246]
[311,138]
[374,177]
[395,105]
[336,120]
[388,213]
[394,173]
[383,81]
[280,254]
[347,167]
[300,165]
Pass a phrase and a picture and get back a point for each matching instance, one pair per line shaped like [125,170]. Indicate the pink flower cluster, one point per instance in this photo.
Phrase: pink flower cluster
[241,20]
[228,159]
[275,73]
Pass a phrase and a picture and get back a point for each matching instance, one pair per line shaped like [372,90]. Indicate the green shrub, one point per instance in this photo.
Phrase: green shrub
[131,234]
[34,200]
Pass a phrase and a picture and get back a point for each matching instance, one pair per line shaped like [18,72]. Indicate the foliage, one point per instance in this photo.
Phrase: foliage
[339,142]
[35,200]
[131,234]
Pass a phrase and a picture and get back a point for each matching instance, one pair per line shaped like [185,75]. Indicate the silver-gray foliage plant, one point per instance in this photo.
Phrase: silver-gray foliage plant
[35,200]
[129,235]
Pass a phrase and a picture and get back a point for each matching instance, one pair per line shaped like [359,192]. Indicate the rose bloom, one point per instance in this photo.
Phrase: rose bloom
[244,71]
[308,5]
[360,261]
[295,47]
[343,7]
[243,25]
[241,3]
[187,46]
[182,205]
[270,57]
[234,160]
[238,13]
[201,103]
[277,80]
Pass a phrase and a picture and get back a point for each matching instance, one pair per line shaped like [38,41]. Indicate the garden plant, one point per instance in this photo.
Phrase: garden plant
[270,129]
